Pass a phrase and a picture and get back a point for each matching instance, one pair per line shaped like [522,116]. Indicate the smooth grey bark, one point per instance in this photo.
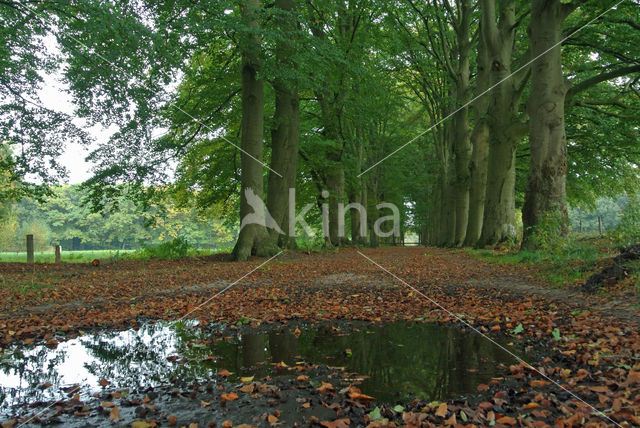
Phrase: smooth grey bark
[505,128]
[480,155]
[462,148]
[546,191]
[284,135]
[253,238]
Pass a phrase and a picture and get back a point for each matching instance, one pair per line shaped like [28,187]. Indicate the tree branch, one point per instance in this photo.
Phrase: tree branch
[602,77]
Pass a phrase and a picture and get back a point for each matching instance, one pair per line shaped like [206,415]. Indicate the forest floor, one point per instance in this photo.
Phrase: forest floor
[588,347]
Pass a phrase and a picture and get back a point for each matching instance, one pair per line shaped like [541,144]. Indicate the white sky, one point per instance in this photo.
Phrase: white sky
[53,96]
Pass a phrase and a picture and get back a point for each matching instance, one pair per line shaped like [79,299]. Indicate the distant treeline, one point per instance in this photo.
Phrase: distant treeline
[63,220]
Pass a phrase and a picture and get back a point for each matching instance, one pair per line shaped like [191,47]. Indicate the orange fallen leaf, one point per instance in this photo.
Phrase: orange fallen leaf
[537,383]
[224,372]
[442,410]
[354,395]
[325,388]
[338,423]
[172,420]
[230,396]
[507,420]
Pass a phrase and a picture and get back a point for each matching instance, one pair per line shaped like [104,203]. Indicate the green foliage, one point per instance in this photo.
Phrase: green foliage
[172,250]
[63,220]
[549,235]
[628,229]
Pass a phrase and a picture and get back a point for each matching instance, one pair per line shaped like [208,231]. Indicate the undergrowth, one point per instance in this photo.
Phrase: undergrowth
[560,259]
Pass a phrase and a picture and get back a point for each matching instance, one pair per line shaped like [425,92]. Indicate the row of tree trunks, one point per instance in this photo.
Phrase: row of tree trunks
[254,238]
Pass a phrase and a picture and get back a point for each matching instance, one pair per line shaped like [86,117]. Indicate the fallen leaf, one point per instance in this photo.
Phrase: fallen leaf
[230,396]
[114,415]
[507,420]
[338,423]
[442,410]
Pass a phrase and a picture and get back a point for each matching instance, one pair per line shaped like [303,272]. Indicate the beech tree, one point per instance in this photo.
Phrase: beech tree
[452,111]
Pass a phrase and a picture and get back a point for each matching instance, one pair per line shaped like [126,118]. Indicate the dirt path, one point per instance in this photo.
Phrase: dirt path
[119,293]
[589,344]
[514,281]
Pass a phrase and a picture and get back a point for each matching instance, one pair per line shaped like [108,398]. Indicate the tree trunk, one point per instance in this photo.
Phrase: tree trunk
[253,237]
[461,135]
[546,191]
[499,224]
[335,186]
[284,136]
[480,156]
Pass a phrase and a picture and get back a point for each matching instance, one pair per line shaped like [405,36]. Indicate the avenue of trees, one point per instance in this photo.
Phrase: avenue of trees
[488,108]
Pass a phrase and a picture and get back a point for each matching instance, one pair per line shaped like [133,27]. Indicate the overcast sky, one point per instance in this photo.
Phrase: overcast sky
[54,97]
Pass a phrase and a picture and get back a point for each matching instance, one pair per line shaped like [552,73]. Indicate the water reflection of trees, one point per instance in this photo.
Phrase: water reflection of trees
[408,359]
[23,371]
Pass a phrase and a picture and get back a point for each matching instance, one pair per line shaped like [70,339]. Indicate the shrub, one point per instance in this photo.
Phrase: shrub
[170,250]
[628,229]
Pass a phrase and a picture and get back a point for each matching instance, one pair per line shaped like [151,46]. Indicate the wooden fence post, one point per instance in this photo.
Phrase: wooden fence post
[600,224]
[58,256]
[30,254]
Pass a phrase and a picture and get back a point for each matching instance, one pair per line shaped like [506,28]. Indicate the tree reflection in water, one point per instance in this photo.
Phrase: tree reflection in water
[402,360]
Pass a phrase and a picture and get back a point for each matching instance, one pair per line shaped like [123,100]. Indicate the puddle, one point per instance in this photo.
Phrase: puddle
[402,360]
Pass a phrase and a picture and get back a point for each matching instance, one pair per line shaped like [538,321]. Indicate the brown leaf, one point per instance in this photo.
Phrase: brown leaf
[634,377]
[507,420]
[172,420]
[338,423]
[442,410]
[325,388]
[114,415]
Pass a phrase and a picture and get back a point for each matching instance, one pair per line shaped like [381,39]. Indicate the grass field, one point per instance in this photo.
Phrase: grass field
[85,256]
[67,256]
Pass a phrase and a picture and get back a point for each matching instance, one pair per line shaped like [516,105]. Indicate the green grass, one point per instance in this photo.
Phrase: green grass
[82,256]
[565,264]
[86,256]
